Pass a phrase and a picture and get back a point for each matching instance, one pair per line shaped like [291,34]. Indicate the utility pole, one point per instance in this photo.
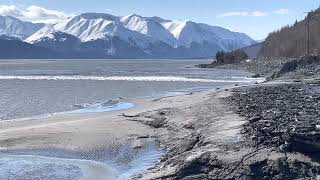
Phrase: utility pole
[308,21]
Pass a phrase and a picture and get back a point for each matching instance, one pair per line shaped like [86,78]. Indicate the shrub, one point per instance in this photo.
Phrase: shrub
[231,57]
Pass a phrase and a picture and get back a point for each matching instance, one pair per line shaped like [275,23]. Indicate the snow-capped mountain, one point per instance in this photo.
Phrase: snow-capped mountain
[150,37]
[148,27]
[11,26]
[94,26]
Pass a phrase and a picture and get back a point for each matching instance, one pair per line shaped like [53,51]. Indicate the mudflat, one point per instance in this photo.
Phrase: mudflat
[94,135]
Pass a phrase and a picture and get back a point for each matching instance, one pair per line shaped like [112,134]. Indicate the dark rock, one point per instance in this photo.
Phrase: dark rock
[256,76]
[283,116]
[157,122]
[288,67]
[254,119]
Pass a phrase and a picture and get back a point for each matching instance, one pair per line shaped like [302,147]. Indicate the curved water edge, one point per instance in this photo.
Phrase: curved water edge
[121,163]
[83,109]
[49,168]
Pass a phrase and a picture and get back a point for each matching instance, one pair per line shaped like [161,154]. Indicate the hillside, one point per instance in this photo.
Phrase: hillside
[16,49]
[252,50]
[291,41]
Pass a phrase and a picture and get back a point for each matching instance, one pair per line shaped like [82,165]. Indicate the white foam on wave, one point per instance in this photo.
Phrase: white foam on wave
[130,78]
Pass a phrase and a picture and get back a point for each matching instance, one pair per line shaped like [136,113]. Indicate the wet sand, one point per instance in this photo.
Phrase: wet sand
[86,131]
[92,133]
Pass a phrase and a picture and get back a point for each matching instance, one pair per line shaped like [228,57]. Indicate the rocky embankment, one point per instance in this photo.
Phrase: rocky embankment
[260,66]
[276,68]
[283,118]
[266,131]
[307,67]
[287,116]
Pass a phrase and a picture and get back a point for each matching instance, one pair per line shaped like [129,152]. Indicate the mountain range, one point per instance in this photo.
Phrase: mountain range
[98,35]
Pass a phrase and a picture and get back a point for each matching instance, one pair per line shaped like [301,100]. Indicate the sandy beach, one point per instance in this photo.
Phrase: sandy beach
[91,133]
[87,131]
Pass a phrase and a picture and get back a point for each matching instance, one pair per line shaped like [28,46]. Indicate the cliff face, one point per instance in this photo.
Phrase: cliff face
[292,41]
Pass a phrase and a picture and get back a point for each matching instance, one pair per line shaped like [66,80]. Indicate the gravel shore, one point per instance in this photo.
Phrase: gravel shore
[265,131]
[260,66]
[283,119]
[276,68]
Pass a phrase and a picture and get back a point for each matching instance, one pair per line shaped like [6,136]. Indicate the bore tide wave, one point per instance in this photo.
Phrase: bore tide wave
[128,78]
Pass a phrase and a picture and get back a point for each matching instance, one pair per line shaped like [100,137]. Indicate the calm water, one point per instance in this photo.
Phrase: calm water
[37,87]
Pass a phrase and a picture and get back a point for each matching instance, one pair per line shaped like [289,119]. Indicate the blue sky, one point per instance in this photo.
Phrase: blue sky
[254,17]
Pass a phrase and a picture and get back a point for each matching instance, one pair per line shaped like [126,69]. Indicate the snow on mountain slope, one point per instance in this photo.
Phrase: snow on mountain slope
[225,34]
[93,26]
[141,31]
[174,27]
[153,36]
[14,27]
[148,27]
[188,32]
[45,32]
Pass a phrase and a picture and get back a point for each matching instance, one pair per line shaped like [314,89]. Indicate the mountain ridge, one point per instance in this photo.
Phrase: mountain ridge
[135,36]
[14,27]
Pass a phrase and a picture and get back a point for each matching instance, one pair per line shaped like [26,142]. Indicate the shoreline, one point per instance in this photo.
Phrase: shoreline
[199,135]
[264,131]
[91,132]
[212,134]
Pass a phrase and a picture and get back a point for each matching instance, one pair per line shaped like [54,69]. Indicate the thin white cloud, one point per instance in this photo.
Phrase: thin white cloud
[244,13]
[282,11]
[47,21]
[33,13]
[254,13]
[10,11]
[228,14]
[258,13]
